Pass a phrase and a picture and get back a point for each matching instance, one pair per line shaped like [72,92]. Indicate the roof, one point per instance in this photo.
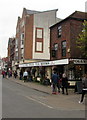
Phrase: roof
[77,15]
[30,12]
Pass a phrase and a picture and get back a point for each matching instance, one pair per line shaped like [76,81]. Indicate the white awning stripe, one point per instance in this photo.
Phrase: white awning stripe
[46,63]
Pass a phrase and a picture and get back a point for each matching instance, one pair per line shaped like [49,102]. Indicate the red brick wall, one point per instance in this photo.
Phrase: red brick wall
[65,36]
[28,43]
[75,30]
[70,31]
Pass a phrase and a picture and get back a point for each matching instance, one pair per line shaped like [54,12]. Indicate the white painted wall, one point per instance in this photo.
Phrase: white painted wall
[43,20]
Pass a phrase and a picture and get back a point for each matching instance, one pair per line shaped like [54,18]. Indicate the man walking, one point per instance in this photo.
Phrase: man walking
[55,83]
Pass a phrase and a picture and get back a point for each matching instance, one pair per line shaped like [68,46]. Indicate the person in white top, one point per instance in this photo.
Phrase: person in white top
[25,75]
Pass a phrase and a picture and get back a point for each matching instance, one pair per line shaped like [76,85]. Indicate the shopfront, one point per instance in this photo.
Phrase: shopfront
[74,68]
[45,68]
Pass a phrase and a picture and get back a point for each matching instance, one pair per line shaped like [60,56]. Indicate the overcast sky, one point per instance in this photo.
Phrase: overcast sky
[11,9]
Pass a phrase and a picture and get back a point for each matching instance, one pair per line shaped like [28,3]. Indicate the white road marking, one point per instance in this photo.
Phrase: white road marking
[38,102]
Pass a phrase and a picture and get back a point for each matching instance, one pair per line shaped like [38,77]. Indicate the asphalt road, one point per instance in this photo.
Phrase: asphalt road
[19,101]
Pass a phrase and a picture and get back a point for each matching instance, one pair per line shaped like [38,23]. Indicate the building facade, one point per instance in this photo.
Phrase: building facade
[4,64]
[33,36]
[63,36]
[11,52]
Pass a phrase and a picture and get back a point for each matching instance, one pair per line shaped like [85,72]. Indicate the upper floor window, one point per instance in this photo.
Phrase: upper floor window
[63,45]
[59,31]
[22,36]
[55,46]
[22,23]
[39,40]
[39,33]
[54,49]
[17,30]
[16,43]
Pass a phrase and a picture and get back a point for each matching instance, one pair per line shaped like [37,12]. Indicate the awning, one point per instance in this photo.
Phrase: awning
[46,63]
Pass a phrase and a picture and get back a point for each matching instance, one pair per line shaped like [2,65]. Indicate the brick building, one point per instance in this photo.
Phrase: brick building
[33,36]
[63,36]
[4,63]
[11,51]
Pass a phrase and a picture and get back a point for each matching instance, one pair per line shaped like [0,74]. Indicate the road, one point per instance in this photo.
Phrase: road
[19,101]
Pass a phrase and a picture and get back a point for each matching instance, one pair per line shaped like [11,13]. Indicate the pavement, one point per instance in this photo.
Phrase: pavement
[59,101]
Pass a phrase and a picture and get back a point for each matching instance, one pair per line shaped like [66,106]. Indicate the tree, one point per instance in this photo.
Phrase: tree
[82,40]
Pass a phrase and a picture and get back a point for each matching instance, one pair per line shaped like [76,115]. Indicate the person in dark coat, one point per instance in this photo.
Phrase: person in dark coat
[55,83]
[64,84]
[84,90]
[15,74]
[21,75]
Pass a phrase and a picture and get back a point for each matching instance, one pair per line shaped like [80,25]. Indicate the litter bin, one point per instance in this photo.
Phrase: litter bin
[79,87]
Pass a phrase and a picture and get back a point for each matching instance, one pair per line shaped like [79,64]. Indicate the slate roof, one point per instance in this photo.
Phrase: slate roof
[31,11]
[77,15]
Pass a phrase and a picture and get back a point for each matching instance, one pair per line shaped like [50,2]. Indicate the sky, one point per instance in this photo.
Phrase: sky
[11,9]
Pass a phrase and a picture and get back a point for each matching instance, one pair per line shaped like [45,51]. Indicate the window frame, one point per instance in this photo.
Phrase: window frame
[63,49]
[59,29]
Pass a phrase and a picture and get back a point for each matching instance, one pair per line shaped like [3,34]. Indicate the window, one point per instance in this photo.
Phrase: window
[59,31]
[39,40]
[53,53]
[22,42]
[55,46]
[22,39]
[63,48]
[22,23]
[22,36]
[22,51]
[16,43]
[39,33]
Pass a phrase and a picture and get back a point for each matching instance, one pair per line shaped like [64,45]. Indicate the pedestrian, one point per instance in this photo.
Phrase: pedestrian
[15,74]
[3,73]
[25,75]
[84,85]
[29,75]
[21,75]
[6,74]
[33,72]
[55,83]
[64,84]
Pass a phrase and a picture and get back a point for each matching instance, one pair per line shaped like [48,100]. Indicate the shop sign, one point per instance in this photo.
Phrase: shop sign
[80,61]
[46,63]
